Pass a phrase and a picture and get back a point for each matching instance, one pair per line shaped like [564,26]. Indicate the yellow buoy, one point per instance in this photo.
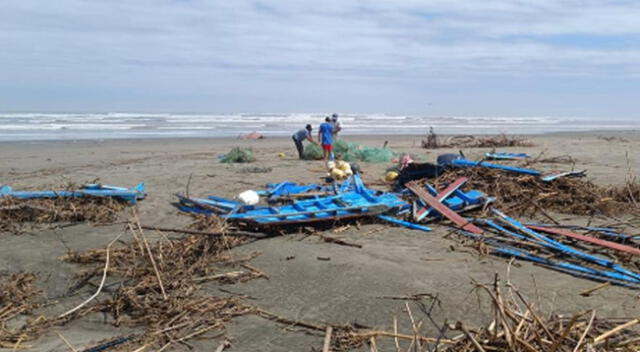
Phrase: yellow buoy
[391,176]
[337,174]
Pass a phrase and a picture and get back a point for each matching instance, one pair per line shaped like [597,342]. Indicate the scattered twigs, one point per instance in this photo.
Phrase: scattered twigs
[602,337]
[153,263]
[66,342]
[413,297]
[327,339]
[16,215]
[469,141]
[205,233]
[104,278]
[588,292]
[527,195]
[586,331]
[338,241]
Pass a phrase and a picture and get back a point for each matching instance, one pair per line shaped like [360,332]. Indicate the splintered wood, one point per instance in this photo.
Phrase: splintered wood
[158,291]
[469,141]
[515,326]
[17,214]
[528,195]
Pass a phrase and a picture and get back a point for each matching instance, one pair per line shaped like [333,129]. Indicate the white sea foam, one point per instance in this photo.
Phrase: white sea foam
[45,126]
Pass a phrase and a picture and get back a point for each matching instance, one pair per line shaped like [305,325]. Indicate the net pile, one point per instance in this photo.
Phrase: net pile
[238,155]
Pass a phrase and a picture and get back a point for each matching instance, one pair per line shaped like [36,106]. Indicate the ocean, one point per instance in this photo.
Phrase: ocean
[78,126]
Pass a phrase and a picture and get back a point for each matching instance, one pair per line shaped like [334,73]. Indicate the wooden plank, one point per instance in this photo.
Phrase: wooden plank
[442,196]
[596,241]
[442,209]
[307,213]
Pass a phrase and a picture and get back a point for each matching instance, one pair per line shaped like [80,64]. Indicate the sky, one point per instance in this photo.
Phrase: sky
[555,58]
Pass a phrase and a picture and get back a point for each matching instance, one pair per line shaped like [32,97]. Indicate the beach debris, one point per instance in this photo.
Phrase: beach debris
[549,178]
[249,197]
[404,223]
[560,159]
[160,291]
[442,209]
[456,160]
[613,139]
[419,171]
[432,140]
[92,203]
[596,241]
[312,152]
[469,141]
[424,211]
[350,204]
[18,296]
[253,135]
[506,156]
[339,169]
[255,170]
[131,195]
[507,237]
[391,176]
[529,195]
[109,344]
[238,155]
[351,152]
[514,324]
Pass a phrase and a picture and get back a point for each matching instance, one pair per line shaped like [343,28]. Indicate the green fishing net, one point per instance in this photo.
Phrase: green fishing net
[351,152]
[312,152]
[238,155]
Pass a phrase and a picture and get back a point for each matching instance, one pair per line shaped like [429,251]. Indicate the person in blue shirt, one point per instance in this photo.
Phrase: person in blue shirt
[325,136]
[300,136]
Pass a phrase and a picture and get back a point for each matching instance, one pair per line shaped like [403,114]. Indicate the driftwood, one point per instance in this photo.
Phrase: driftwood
[17,214]
[205,233]
[469,141]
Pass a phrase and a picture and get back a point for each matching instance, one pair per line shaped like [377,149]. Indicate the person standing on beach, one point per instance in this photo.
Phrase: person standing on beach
[336,125]
[325,136]
[300,136]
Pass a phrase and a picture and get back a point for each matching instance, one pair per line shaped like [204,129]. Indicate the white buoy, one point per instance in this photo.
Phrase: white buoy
[249,197]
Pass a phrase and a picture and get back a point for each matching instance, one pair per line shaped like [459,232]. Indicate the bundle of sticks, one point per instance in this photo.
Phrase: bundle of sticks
[469,141]
[528,195]
[16,214]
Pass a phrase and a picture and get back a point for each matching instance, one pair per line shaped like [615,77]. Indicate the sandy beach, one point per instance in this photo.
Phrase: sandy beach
[346,288]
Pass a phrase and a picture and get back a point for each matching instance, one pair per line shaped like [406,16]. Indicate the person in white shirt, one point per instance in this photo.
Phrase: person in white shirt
[336,124]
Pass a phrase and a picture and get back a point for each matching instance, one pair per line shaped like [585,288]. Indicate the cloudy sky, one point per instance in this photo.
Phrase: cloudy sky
[562,58]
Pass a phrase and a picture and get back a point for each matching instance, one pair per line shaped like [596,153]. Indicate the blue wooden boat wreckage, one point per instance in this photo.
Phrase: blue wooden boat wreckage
[508,237]
[506,156]
[456,160]
[130,195]
[349,200]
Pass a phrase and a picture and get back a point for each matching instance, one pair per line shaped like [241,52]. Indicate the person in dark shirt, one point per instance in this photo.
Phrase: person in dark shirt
[300,136]
[325,136]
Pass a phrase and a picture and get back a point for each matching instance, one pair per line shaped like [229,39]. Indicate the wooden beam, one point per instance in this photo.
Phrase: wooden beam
[443,209]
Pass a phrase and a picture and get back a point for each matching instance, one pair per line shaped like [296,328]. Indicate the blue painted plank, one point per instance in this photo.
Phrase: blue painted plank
[404,223]
[469,163]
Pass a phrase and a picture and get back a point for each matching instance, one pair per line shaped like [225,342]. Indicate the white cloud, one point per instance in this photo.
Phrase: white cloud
[81,40]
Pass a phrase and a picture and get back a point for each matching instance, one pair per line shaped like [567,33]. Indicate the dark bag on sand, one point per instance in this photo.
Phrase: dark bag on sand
[418,171]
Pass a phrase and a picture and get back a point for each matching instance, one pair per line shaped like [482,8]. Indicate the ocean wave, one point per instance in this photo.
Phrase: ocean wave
[45,126]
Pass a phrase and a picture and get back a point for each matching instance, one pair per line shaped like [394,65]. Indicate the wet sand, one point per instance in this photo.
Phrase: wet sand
[347,288]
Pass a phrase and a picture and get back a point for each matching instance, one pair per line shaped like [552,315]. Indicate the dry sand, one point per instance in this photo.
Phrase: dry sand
[347,288]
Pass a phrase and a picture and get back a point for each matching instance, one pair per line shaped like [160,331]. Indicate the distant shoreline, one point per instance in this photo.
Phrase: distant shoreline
[171,139]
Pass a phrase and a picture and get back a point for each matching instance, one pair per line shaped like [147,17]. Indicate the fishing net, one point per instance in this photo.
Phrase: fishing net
[238,155]
[312,152]
[359,152]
